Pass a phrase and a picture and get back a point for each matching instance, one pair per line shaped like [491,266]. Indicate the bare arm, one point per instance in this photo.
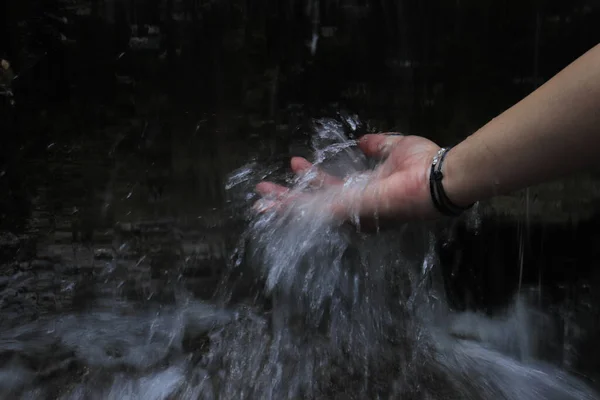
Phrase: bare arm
[553,132]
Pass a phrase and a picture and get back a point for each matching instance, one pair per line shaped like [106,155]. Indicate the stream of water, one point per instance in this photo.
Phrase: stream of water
[332,313]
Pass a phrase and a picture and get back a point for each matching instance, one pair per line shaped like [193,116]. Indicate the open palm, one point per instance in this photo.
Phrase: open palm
[398,189]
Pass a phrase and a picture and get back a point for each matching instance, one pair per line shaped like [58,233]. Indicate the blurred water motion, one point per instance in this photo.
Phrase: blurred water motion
[306,309]
[132,266]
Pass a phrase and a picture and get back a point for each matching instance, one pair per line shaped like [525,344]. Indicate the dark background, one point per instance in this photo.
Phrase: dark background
[186,88]
[200,75]
[118,112]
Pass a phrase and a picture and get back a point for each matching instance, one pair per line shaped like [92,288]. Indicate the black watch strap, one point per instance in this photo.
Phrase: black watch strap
[440,200]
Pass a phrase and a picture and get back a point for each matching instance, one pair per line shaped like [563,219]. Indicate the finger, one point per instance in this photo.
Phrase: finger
[303,166]
[268,191]
[263,205]
[271,189]
[300,165]
[275,197]
[379,145]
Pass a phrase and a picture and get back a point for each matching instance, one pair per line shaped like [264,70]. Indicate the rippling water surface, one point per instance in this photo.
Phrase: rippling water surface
[307,308]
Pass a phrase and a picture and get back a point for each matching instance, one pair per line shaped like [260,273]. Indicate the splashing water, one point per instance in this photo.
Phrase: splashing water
[363,316]
[309,308]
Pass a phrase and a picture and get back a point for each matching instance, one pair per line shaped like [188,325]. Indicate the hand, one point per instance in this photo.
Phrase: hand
[398,189]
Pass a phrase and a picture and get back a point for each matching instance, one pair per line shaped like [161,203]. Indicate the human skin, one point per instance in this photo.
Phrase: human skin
[551,133]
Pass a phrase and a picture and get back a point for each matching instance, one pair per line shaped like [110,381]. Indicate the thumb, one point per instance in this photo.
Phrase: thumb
[379,145]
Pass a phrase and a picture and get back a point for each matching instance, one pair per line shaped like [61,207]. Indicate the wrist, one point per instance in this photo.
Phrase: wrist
[441,183]
[456,180]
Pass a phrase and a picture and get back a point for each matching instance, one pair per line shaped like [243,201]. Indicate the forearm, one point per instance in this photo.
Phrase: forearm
[552,132]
